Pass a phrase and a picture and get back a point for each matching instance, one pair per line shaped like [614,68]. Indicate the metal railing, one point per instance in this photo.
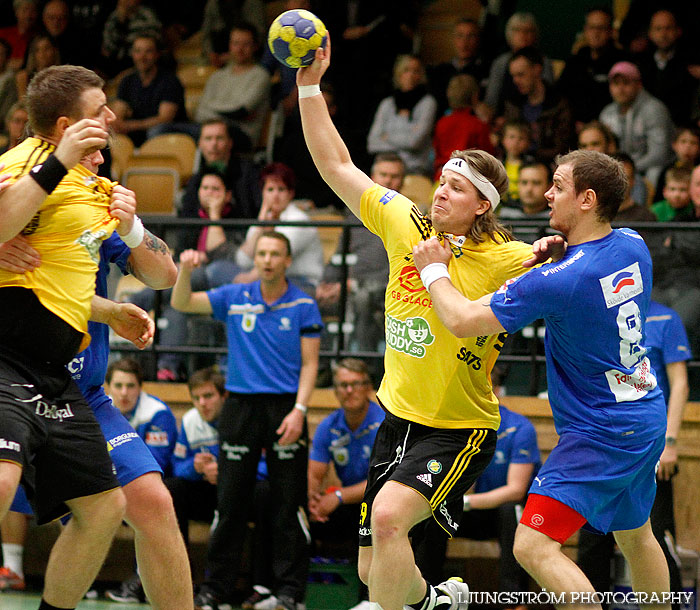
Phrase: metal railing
[530,356]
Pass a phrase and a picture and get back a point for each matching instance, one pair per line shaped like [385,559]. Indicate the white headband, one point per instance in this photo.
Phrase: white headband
[462,167]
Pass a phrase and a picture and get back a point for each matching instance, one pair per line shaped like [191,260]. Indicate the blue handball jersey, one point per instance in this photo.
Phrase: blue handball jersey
[349,450]
[666,342]
[264,341]
[594,302]
[89,367]
[516,443]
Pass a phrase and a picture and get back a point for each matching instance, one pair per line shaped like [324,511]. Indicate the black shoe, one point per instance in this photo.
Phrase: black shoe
[130,592]
[206,600]
[260,599]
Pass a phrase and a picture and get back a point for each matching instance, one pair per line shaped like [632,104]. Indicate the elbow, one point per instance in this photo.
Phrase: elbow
[167,278]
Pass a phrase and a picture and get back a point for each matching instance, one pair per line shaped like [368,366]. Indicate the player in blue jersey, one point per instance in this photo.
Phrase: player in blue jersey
[195,470]
[668,349]
[344,438]
[273,333]
[608,410]
[160,551]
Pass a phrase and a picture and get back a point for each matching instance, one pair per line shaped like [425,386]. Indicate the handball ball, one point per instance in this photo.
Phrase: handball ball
[294,37]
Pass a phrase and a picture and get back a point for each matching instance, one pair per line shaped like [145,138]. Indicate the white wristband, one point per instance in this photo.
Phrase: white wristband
[467,503]
[134,237]
[309,90]
[299,407]
[434,271]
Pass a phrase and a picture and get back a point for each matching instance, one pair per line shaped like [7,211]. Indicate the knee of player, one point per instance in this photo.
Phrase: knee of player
[523,550]
[150,506]
[386,523]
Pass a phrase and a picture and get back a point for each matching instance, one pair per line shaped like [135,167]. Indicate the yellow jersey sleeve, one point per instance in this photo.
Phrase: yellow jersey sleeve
[67,231]
[432,377]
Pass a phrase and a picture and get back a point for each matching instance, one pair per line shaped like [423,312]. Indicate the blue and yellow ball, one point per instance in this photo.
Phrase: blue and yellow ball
[294,37]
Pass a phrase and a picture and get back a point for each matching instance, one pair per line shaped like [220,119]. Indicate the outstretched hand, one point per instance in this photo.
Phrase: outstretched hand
[311,75]
[551,247]
[431,251]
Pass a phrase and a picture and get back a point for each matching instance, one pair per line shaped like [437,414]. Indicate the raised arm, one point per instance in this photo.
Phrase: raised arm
[327,148]
[183,299]
[462,317]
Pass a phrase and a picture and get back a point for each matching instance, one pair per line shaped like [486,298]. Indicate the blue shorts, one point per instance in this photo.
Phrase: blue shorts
[612,487]
[130,455]
[20,504]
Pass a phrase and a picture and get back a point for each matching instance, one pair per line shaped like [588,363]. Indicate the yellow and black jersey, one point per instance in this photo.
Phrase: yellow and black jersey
[67,231]
[431,376]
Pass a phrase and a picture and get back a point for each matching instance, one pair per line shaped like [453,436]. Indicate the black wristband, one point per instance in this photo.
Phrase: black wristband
[49,173]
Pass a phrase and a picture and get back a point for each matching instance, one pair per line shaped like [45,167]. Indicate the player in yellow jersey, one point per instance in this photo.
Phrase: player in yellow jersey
[441,422]
[49,437]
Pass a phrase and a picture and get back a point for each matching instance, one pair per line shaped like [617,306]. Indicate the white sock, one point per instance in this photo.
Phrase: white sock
[13,555]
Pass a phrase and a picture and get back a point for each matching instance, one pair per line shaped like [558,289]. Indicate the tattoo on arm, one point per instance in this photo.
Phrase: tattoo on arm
[155,243]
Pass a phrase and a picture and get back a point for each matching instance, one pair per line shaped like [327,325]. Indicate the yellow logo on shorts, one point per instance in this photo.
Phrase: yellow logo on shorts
[434,466]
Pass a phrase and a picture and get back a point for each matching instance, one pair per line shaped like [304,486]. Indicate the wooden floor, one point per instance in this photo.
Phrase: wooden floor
[12,600]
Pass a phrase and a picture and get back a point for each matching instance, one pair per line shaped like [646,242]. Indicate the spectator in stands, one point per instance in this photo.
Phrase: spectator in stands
[595,135]
[15,121]
[584,80]
[8,87]
[460,129]
[219,148]
[686,148]
[668,350]
[194,461]
[218,250]
[538,103]
[88,18]
[467,59]
[278,185]
[149,99]
[664,67]
[631,210]
[534,180]
[344,438]
[20,35]
[369,273]
[677,271]
[41,54]
[219,17]
[494,506]
[516,139]
[56,22]
[273,339]
[641,123]
[403,122]
[152,419]
[128,20]
[676,205]
[240,91]
[521,32]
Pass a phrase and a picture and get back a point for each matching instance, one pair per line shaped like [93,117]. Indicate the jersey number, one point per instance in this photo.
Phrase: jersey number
[629,325]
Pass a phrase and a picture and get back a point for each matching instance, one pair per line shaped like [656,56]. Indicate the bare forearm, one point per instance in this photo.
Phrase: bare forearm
[101,310]
[182,290]
[497,497]
[678,396]
[353,494]
[215,237]
[307,381]
[152,263]
[462,317]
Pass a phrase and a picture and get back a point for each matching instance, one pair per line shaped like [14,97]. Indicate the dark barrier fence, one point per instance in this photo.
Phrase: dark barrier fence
[524,353]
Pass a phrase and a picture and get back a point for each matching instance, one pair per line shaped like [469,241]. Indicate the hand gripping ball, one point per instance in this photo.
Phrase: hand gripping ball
[294,37]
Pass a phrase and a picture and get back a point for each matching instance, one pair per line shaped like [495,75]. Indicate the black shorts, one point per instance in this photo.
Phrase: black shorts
[440,464]
[55,439]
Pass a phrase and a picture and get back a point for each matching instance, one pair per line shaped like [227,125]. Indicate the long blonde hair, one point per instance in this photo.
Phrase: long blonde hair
[491,169]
